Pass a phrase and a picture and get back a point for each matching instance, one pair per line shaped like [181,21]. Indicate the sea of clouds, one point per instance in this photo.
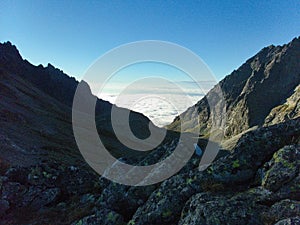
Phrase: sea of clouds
[161,101]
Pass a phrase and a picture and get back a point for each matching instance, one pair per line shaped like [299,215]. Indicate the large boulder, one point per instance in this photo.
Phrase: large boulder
[103,217]
[283,167]
[282,210]
[209,209]
[289,221]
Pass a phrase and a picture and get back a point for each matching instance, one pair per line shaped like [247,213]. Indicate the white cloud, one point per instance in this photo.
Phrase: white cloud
[160,109]
[161,102]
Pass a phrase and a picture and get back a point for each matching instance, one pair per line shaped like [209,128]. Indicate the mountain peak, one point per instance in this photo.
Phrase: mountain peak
[296,39]
[263,82]
[8,50]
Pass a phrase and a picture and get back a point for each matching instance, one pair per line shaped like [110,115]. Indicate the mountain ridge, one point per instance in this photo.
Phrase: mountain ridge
[273,71]
[52,82]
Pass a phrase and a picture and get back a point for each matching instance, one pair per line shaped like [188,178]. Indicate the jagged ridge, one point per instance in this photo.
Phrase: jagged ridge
[263,82]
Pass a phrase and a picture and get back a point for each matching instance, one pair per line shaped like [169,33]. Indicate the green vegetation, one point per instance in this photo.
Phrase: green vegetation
[131,222]
[236,164]
[167,213]
[189,181]
[111,216]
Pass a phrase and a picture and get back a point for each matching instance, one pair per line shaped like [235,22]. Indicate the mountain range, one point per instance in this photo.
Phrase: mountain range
[254,180]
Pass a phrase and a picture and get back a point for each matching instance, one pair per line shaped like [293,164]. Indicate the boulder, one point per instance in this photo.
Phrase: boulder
[283,167]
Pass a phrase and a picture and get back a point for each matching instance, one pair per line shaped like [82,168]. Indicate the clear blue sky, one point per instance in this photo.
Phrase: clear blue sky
[72,34]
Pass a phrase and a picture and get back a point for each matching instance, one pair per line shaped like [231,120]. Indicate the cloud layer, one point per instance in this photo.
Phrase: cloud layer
[160,109]
[160,101]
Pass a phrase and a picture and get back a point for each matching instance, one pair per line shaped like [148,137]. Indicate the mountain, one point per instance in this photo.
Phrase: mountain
[288,110]
[263,82]
[36,135]
[45,180]
[43,97]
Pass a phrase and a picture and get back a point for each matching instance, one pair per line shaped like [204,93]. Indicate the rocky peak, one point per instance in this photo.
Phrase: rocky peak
[52,69]
[263,82]
[9,53]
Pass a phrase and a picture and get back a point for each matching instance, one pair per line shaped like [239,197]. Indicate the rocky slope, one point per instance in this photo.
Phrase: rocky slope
[42,98]
[44,180]
[38,153]
[262,83]
[288,110]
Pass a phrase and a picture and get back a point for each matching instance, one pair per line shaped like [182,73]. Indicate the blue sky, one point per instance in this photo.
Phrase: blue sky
[72,34]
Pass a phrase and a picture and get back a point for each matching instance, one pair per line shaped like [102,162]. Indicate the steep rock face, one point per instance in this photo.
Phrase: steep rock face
[263,82]
[288,110]
[48,79]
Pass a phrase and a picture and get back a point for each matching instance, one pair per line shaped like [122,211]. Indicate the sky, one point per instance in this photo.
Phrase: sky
[71,35]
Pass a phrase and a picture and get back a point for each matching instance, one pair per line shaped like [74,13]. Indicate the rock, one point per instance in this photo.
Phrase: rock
[282,210]
[247,158]
[123,199]
[290,190]
[21,196]
[78,182]
[289,221]
[103,217]
[17,174]
[230,173]
[165,204]
[113,197]
[13,192]
[88,220]
[44,175]
[43,198]
[73,168]
[283,167]
[87,198]
[289,110]
[263,82]
[4,206]
[3,180]
[210,209]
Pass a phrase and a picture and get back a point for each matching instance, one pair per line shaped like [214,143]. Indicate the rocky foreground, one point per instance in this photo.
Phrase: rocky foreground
[258,183]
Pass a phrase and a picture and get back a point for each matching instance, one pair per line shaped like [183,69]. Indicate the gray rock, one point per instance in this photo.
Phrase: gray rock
[289,221]
[209,209]
[103,217]
[43,198]
[87,198]
[13,192]
[283,167]
[289,110]
[4,206]
[282,210]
